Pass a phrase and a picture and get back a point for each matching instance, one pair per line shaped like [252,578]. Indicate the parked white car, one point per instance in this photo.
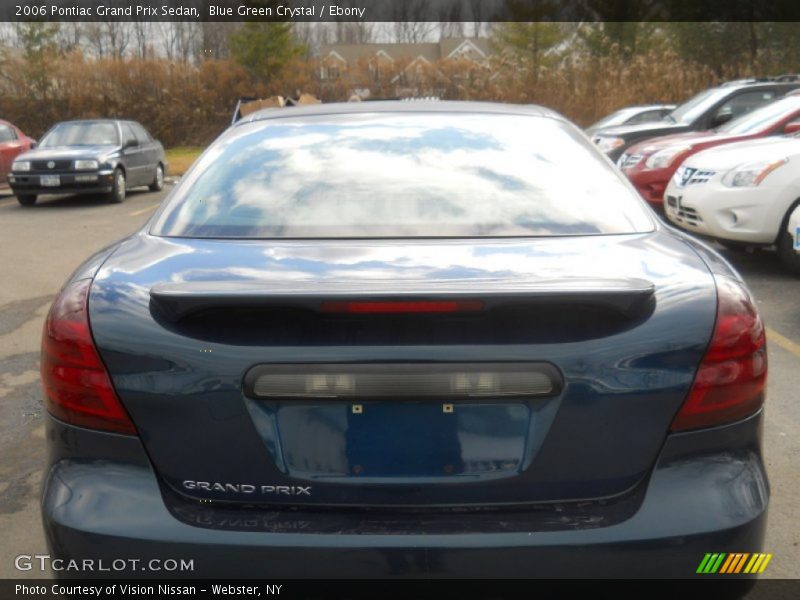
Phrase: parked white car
[740,194]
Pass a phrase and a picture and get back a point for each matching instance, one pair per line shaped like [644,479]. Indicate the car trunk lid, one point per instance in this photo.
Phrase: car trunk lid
[255,374]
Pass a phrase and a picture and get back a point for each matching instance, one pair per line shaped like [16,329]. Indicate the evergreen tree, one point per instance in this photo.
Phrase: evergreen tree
[264,48]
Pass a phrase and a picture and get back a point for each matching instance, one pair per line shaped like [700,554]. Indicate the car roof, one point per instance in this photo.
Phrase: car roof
[91,121]
[398,107]
[650,106]
[758,84]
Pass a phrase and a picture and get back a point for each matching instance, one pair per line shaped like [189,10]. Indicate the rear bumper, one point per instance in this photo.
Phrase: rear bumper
[708,493]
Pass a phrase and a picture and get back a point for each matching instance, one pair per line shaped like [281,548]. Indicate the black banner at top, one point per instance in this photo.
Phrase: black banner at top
[399,10]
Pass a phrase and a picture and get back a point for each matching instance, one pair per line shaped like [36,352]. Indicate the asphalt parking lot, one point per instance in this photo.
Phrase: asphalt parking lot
[42,245]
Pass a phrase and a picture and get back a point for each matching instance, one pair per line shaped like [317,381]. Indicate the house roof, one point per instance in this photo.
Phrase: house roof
[430,51]
[453,45]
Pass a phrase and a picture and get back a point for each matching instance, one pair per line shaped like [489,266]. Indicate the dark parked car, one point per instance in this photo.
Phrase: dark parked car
[12,143]
[631,115]
[403,339]
[102,156]
[706,110]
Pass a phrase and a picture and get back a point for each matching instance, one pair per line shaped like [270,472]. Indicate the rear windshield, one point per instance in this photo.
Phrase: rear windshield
[405,175]
[81,134]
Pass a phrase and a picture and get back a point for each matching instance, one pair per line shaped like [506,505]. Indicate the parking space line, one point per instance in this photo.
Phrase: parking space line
[783,342]
[143,210]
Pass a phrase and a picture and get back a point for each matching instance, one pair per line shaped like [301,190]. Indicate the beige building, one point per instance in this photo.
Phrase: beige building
[402,69]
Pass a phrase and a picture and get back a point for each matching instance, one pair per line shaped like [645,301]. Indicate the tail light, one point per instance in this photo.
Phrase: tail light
[77,388]
[730,382]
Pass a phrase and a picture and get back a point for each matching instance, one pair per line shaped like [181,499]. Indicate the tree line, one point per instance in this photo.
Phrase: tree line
[182,79]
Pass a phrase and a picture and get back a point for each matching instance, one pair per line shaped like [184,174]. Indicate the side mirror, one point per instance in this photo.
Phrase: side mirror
[33,144]
[720,119]
[791,128]
[131,144]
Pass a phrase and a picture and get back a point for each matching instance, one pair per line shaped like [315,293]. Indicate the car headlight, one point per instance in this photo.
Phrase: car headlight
[21,165]
[609,144]
[664,158]
[86,165]
[628,161]
[751,174]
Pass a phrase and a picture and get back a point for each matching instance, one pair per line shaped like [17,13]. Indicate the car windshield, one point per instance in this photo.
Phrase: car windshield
[695,107]
[403,175]
[81,134]
[616,118]
[763,117]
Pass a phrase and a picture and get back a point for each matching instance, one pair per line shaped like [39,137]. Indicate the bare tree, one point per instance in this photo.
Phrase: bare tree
[413,32]
[181,40]
[142,39]
[453,29]
[353,32]
[411,24]
[70,36]
[451,17]
[108,38]
[163,33]
[187,40]
[214,39]
[96,39]
[304,33]
[315,35]
[480,13]
[118,34]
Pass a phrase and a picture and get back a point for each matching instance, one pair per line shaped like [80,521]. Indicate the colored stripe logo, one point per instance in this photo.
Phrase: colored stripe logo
[736,562]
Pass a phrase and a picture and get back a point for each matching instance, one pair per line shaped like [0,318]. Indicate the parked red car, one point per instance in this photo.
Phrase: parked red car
[12,143]
[650,164]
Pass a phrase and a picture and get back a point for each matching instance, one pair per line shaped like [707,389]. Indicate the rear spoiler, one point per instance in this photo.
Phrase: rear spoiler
[174,301]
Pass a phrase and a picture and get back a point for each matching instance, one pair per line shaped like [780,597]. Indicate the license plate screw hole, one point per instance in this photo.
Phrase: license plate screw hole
[447,408]
[358,409]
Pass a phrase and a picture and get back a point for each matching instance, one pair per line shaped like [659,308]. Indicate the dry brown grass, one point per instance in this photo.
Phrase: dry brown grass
[179,159]
[181,104]
[585,88]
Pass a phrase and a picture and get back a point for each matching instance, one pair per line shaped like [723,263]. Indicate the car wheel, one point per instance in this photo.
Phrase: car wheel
[790,258]
[158,182]
[117,193]
[27,199]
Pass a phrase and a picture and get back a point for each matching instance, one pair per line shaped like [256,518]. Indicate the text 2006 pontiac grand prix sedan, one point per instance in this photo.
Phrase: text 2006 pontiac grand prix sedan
[405,339]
